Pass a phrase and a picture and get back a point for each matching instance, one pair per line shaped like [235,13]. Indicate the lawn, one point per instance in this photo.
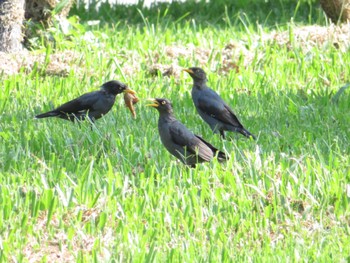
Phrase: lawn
[114,194]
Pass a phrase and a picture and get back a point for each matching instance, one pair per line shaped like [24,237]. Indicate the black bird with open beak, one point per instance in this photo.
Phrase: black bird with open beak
[92,105]
[211,107]
[179,141]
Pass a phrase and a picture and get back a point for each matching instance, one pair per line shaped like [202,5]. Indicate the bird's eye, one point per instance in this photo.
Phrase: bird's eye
[163,102]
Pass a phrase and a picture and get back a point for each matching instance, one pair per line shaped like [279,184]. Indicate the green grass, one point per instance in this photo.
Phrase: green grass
[115,193]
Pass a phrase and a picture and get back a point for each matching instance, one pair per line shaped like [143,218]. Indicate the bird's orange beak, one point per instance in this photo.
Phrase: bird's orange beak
[155,103]
[188,70]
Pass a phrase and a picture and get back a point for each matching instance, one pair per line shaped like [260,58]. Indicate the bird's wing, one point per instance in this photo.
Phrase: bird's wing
[82,103]
[180,135]
[214,106]
[185,138]
[221,155]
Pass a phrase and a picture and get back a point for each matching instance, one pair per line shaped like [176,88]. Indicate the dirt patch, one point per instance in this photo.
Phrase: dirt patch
[223,60]
[236,55]
[56,64]
[56,246]
[310,36]
[233,57]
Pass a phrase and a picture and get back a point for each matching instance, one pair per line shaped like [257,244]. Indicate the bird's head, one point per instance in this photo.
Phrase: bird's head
[162,105]
[197,74]
[116,87]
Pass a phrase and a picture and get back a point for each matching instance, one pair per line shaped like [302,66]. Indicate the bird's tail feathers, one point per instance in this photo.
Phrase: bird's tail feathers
[246,133]
[47,114]
[221,156]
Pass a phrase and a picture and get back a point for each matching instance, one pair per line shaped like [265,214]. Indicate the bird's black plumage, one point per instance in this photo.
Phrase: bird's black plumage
[211,107]
[179,141]
[92,105]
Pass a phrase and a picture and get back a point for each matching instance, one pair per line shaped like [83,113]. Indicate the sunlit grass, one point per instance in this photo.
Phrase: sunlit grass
[115,193]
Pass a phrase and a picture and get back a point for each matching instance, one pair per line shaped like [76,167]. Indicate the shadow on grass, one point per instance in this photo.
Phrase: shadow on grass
[219,12]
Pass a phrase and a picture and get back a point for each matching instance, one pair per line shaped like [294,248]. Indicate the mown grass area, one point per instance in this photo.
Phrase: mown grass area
[69,193]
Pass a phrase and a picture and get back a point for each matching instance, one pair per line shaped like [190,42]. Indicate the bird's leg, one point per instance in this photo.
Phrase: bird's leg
[92,123]
[222,133]
[76,120]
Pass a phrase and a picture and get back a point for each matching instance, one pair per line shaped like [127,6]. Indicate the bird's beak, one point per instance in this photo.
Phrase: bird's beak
[154,104]
[188,70]
[127,90]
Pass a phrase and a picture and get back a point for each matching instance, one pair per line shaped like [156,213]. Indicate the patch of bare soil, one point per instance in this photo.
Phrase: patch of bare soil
[236,55]
[233,57]
[55,245]
[225,59]
[310,36]
[57,64]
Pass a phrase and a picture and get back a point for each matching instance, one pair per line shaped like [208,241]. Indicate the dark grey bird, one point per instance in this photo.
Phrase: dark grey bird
[211,107]
[92,105]
[179,141]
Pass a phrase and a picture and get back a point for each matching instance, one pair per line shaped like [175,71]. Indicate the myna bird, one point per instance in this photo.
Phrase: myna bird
[92,105]
[179,141]
[211,107]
